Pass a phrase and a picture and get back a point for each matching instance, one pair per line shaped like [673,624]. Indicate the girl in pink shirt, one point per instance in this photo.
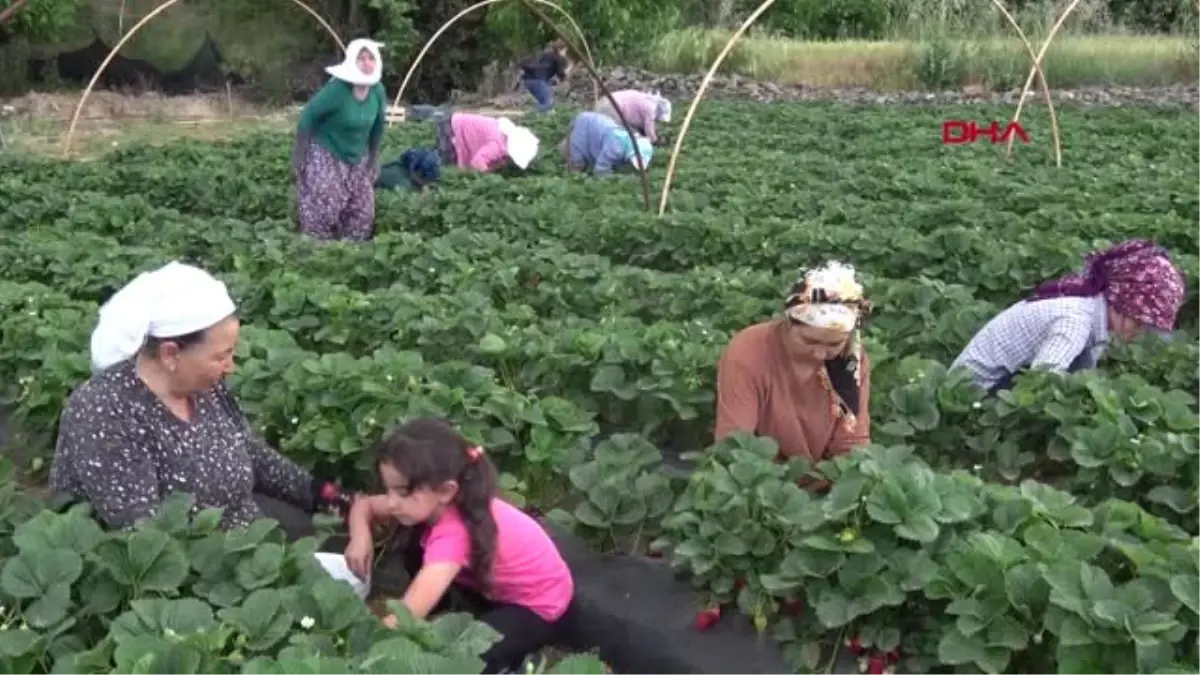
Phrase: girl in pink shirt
[443,488]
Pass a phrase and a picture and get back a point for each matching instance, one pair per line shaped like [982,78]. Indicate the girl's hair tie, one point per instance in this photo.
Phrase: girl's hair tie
[474,452]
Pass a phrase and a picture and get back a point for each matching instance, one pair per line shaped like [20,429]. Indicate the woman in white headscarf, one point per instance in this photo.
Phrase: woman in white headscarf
[156,416]
[336,157]
[484,144]
[802,379]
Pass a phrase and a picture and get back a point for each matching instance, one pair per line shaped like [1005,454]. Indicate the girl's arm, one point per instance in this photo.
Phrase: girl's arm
[428,587]
[447,548]
[366,512]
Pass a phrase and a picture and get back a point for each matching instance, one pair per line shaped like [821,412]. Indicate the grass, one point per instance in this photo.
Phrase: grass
[94,139]
[1072,60]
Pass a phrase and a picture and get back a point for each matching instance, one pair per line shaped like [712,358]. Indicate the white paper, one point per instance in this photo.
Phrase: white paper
[335,564]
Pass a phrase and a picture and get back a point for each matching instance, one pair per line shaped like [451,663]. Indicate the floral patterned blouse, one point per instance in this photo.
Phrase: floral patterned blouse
[123,451]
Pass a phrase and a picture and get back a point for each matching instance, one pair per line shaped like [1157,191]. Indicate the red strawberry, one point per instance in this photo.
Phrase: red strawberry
[893,657]
[854,645]
[876,664]
[739,584]
[654,554]
[793,607]
[707,618]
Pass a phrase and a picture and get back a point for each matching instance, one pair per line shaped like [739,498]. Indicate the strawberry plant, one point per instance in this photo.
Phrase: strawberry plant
[1048,527]
[938,569]
[620,493]
[177,595]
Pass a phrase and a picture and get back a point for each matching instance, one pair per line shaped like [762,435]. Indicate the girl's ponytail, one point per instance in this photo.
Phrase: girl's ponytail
[476,490]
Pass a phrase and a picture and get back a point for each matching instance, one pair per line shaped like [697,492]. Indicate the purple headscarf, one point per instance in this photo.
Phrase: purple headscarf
[1136,278]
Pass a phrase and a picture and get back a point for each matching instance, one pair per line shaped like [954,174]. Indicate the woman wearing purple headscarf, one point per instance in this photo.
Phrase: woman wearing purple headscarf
[1065,325]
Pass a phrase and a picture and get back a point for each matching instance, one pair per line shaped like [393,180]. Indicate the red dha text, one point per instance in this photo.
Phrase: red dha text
[958,132]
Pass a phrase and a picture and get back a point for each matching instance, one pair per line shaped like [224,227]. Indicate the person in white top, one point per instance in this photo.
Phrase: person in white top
[1065,326]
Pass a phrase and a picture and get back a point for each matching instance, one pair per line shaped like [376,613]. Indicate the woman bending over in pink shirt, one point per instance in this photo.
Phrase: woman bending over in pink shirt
[444,488]
[482,143]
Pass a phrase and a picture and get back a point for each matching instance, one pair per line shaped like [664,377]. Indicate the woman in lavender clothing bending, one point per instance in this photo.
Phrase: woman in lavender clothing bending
[640,109]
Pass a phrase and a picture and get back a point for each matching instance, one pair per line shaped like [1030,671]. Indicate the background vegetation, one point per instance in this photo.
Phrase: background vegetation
[881,43]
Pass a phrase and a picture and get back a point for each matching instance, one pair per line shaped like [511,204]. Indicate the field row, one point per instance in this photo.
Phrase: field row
[577,337]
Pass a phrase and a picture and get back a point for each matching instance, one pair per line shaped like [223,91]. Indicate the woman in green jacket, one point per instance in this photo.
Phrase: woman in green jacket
[336,158]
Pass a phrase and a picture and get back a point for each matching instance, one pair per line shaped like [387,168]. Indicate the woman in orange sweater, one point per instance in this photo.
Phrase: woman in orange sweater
[802,379]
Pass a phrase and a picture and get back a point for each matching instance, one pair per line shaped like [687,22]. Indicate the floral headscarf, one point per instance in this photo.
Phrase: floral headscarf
[831,297]
[1136,278]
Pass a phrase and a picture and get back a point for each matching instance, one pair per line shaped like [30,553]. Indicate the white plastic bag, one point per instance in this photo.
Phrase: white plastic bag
[335,564]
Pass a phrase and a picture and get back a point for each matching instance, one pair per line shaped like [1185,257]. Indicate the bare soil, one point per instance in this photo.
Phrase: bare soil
[110,106]
[38,122]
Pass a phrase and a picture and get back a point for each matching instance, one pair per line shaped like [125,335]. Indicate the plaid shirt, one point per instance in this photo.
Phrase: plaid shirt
[1049,334]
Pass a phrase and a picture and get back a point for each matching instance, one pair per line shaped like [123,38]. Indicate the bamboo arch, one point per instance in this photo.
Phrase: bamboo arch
[138,26]
[598,81]
[585,58]
[1035,70]
[454,19]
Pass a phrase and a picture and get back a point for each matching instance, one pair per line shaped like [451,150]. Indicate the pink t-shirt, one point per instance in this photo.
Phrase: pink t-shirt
[527,568]
[478,142]
[640,110]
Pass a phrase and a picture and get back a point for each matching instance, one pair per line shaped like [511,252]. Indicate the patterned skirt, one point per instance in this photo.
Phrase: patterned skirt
[337,199]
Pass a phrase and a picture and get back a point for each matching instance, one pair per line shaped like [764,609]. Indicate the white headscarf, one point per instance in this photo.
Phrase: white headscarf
[348,70]
[174,300]
[520,143]
[662,107]
[835,282]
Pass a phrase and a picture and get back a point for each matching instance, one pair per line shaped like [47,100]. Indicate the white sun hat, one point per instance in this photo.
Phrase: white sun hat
[348,71]
[520,143]
[662,107]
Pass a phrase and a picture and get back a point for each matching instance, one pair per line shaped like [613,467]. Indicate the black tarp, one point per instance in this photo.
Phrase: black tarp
[203,71]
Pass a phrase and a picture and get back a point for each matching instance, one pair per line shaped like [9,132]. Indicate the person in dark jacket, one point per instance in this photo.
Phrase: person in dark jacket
[540,72]
[417,169]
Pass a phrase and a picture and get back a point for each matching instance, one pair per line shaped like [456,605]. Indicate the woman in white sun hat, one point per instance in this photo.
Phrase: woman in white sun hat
[336,157]
[482,143]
